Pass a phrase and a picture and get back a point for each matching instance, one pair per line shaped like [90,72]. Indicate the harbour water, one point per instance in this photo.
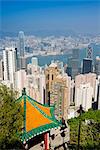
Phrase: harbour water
[47,59]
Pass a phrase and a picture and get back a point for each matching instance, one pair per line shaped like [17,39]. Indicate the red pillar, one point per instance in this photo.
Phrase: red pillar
[46,141]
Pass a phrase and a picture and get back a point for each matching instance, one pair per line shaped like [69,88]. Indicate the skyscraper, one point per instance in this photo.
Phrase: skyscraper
[59,85]
[75,53]
[87,65]
[21,48]
[73,63]
[22,62]
[21,43]
[20,78]
[9,58]
[97,65]
[84,79]
[75,67]
[83,96]
[89,52]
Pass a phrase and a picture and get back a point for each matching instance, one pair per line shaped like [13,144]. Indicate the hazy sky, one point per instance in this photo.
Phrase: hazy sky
[82,16]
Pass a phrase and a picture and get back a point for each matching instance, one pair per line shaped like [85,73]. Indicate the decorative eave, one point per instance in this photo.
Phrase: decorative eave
[37,131]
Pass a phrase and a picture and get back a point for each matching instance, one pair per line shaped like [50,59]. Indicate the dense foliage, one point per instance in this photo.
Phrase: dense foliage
[90,130]
[10,118]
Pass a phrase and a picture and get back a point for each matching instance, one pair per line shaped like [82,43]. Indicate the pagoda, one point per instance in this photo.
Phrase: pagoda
[38,119]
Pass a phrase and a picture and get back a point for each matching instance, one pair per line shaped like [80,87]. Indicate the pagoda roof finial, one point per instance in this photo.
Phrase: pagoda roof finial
[24,91]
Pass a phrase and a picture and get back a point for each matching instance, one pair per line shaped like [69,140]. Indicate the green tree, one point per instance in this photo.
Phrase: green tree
[90,130]
[11,116]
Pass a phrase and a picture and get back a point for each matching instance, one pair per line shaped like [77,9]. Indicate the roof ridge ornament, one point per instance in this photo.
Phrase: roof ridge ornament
[24,91]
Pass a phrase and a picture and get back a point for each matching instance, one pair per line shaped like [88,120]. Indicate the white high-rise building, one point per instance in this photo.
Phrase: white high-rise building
[1,70]
[20,78]
[42,86]
[86,78]
[9,58]
[32,86]
[35,85]
[83,96]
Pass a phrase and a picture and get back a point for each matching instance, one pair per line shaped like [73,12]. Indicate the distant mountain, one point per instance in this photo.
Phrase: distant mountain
[45,32]
[4,34]
[41,33]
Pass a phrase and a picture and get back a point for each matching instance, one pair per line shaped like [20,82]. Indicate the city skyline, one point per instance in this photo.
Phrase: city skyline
[49,74]
[47,17]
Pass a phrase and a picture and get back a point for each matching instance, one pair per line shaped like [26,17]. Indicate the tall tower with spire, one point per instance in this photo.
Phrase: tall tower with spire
[21,44]
[21,48]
